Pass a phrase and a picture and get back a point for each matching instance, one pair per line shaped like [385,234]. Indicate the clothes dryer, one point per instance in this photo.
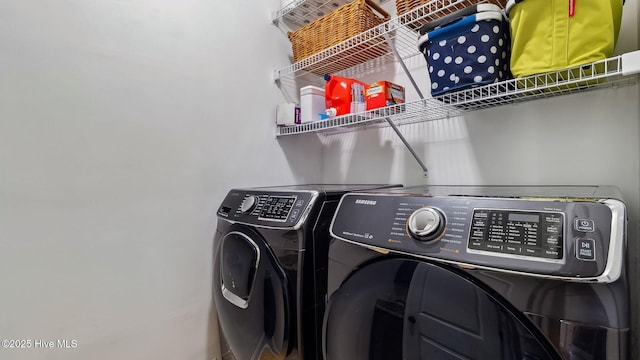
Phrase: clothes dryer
[270,269]
[478,273]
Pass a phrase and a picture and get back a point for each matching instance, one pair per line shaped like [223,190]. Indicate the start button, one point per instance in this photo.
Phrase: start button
[586,249]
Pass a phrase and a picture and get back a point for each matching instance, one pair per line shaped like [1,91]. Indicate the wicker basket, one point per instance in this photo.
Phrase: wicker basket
[341,24]
[435,9]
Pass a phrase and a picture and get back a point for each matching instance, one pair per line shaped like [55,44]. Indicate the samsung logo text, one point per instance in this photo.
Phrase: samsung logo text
[365,202]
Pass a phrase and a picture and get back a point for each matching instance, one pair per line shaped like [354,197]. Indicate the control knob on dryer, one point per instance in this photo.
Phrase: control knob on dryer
[426,224]
[249,203]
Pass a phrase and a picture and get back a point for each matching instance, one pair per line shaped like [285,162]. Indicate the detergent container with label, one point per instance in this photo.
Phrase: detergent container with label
[344,95]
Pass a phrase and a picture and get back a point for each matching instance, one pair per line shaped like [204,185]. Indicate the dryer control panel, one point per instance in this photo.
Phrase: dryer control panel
[267,208]
[570,239]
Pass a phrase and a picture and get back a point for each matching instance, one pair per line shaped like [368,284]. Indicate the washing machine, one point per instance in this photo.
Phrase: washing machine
[491,272]
[270,269]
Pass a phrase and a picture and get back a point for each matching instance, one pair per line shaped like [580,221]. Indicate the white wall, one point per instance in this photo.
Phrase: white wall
[122,126]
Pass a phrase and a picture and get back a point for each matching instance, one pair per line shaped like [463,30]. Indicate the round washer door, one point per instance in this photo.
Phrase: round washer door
[251,296]
[414,310]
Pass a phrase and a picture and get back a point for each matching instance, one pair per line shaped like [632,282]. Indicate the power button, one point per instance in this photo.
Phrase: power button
[584,225]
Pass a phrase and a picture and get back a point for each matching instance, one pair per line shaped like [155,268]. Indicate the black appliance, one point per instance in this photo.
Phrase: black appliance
[270,269]
[484,272]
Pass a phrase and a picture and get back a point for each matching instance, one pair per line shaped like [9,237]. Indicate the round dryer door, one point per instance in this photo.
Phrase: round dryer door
[415,310]
[251,296]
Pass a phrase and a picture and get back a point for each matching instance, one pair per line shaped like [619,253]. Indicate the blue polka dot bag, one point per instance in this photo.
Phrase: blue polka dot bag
[467,50]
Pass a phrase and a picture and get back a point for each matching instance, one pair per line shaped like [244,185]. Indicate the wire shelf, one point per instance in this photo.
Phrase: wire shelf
[351,56]
[605,73]
[361,54]
[298,13]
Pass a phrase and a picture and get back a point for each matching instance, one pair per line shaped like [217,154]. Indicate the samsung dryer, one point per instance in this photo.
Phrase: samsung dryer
[461,272]
[270,269]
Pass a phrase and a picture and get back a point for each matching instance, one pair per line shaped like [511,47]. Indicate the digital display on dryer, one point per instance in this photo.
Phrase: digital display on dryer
[522,233]
[533,218]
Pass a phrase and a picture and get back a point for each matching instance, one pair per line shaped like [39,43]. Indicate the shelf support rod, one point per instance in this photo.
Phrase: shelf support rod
[404,66]
[425,171]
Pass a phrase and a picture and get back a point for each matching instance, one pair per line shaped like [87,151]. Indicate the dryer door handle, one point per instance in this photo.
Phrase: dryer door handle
[239,265]
[234,299]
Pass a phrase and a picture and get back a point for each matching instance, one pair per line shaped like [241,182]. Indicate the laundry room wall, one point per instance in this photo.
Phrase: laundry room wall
[580,139]
[122,126]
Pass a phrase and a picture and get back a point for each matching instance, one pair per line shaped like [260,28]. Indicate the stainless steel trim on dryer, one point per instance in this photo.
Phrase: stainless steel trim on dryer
[613,269]
[230,296]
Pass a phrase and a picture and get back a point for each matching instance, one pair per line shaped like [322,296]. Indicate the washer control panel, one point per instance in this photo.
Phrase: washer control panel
[537,234]
[426,224]
[270,209]
[581,240]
